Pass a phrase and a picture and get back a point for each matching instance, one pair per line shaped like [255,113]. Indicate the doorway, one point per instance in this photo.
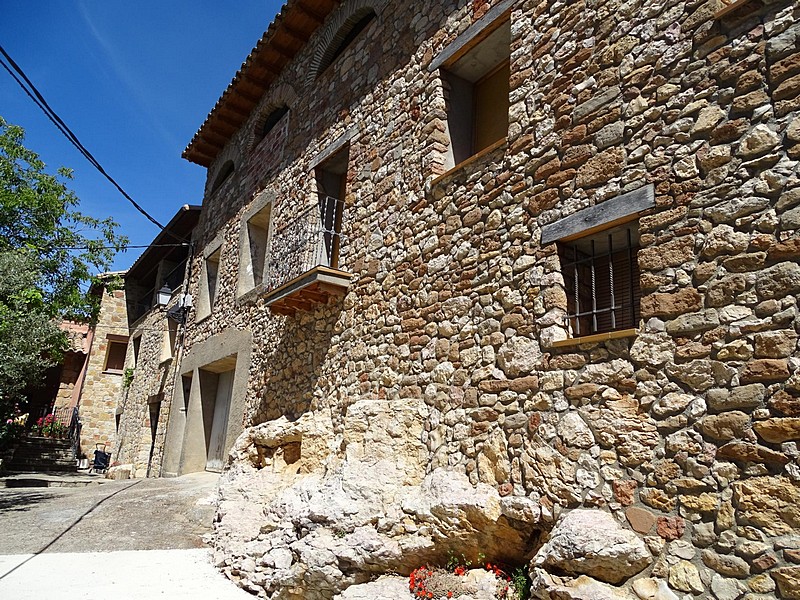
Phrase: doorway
[331,179]
[154,410]
[217,431]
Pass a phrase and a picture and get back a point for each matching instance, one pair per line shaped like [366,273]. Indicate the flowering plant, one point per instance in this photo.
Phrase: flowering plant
[435,582]
[48,426]
[12,429]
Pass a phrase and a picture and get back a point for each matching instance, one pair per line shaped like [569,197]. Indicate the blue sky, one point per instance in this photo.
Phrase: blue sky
[134,81]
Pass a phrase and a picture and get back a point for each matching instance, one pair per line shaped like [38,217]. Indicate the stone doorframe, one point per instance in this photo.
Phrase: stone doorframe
[185,448]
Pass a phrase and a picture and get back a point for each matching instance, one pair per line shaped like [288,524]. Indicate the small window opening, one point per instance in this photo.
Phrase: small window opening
[478,87]
[224,173]
[273,119]
[170,336]
[253,267]
[207,292]
[137,342]
[212,272]
[601,277]
[115,356]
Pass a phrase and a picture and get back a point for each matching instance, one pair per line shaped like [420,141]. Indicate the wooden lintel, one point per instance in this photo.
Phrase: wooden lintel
[617,210]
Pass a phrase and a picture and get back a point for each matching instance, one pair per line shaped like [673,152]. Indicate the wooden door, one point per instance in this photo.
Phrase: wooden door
[219,425]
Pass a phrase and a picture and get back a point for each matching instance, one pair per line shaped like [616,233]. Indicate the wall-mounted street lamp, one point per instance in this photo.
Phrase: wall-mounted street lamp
[163,295]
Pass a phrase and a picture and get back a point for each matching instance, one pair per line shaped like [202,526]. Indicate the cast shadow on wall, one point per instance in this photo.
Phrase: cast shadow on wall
[295,379]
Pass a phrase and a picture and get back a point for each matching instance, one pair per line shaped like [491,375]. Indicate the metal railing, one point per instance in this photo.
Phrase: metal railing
[311,239]
[62,423]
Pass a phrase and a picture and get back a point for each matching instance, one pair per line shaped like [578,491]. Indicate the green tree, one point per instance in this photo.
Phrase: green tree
[50,254]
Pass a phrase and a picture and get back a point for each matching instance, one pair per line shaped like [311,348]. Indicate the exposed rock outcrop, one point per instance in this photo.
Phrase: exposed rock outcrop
[301,532]
[591,542]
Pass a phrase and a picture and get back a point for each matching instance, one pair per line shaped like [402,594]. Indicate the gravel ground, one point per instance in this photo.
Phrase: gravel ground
[138,539]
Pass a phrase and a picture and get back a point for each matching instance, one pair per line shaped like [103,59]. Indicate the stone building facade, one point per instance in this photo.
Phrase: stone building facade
[585,288]
[155,290]
[103,370]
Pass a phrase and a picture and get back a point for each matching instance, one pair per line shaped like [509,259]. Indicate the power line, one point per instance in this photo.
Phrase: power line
[34,94]
[181,245]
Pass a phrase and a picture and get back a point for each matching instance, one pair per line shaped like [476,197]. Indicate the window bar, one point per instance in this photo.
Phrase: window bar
[630,277]
[577,292]
[611,284]
[594,293]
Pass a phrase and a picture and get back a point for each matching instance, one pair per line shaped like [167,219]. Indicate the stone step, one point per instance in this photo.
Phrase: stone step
[42,450]
[44,441]
[49,468]
[43,459]
[43,454]
[30,460]
[45,467]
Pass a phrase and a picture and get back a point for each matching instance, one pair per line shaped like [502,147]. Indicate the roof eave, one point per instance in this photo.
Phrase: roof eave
[286,35]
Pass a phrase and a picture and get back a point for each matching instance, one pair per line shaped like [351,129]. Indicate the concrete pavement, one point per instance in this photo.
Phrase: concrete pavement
[137,539]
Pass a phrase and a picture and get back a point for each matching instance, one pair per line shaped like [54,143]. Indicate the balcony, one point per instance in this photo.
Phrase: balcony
[302,268]
[140,304]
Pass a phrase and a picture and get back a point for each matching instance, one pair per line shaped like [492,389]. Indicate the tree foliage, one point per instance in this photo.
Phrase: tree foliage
[30,340]
[50,254]
[38,218]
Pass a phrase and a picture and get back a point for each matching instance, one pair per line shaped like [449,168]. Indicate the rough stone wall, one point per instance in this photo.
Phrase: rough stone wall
[153,381]
[687,432]
[100,388]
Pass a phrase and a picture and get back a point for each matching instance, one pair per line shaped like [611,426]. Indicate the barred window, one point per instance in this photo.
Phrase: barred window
[601,277]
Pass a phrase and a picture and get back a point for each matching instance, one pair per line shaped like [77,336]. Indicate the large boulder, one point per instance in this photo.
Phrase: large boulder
[367,508]
[550,587]
[590,542]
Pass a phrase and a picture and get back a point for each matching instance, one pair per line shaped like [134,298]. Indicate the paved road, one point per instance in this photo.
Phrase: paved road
[136,540]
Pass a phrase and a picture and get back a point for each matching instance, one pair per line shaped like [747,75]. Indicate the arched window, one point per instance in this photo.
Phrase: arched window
[345,36]
[225,171]
[272,119]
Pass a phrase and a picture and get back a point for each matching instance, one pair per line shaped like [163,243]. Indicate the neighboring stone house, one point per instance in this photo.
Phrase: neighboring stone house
[546,250]
[63,381]
[101,376]
[90,374]
[154,290]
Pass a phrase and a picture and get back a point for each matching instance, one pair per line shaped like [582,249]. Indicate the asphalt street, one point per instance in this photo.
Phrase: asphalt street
[138,540]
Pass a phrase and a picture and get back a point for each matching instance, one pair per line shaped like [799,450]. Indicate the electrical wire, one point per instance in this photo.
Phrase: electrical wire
[34,94]
[132,247]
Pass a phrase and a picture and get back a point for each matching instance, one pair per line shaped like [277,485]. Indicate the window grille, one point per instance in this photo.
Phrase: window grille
[601,277]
